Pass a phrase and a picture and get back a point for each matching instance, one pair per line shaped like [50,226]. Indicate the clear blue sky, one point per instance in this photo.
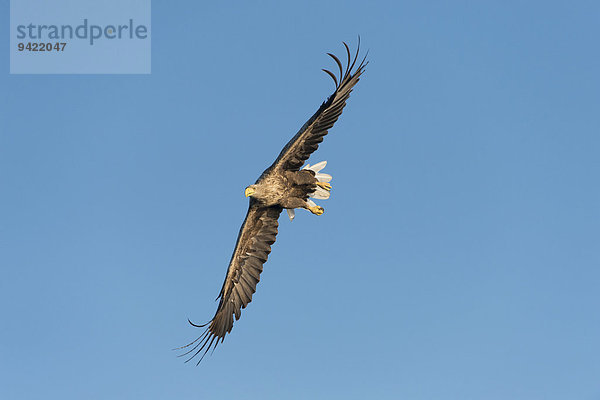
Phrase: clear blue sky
[458,257]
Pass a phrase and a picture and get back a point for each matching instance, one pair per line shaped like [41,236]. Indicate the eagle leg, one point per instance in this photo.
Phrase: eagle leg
[324,185]
[316,210]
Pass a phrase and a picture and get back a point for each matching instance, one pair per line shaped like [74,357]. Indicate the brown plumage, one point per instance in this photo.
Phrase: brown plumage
[282,185]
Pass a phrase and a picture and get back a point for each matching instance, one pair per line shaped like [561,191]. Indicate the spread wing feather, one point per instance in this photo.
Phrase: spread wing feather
[307,140]
[252,249]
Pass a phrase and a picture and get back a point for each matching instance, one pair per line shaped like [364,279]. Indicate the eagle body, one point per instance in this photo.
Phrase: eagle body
[287,189]
[286,184]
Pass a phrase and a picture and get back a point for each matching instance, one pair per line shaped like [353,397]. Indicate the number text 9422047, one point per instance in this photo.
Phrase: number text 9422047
[34,46]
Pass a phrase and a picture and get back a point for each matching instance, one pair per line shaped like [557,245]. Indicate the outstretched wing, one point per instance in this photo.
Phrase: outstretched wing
[252,249]
[307,140]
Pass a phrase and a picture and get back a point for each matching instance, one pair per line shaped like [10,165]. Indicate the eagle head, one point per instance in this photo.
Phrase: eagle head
[250,190]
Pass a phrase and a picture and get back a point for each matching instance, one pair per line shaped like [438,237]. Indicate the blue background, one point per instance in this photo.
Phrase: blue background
[458,257]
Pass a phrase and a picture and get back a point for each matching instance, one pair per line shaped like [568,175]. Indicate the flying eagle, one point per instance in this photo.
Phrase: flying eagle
[284,185]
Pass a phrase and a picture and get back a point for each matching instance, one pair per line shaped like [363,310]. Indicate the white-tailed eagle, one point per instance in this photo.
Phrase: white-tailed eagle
[284,185]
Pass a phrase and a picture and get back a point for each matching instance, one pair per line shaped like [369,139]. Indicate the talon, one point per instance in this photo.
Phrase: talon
[324,185]
[316,210]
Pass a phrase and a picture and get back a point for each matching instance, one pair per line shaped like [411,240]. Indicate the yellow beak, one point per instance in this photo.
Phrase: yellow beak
[249,192]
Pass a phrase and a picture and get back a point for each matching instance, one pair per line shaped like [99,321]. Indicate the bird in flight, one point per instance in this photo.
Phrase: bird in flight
[286,184]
